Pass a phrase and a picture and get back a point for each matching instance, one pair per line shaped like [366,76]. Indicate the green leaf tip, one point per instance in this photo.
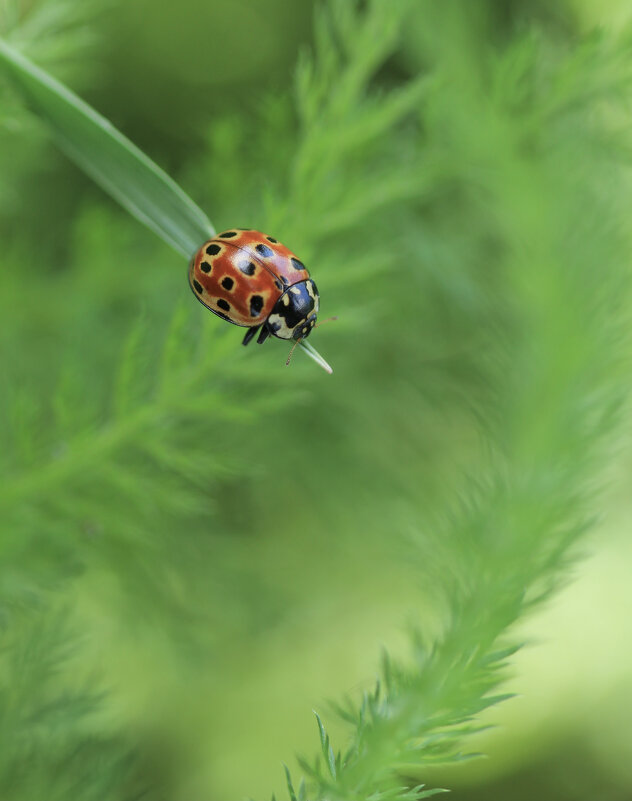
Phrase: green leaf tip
[321,729]
[315,355]
[290,786]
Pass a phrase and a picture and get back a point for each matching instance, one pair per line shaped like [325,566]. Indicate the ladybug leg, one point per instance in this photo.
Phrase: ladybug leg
[250,334]
[263,335]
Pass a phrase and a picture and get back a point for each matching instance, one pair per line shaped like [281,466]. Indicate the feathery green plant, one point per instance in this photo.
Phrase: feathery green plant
[465,200]
[501,553]
[48,737]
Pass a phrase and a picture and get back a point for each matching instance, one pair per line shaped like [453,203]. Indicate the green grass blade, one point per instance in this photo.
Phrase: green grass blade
[108,157]
[315,355]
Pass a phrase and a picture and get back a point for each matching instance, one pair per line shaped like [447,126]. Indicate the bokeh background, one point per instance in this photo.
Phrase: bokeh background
[217,607]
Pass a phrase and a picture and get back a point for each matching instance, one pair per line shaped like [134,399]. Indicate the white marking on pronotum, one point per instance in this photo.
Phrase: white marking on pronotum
[283,331]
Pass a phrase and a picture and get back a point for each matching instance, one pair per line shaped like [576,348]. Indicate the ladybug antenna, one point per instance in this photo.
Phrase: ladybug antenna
[287,363]
[326,320]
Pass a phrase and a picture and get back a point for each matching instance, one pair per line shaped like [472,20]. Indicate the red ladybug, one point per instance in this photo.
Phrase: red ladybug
[250,279]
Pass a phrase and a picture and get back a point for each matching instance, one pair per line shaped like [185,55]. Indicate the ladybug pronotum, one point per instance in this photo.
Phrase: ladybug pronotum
[250,279]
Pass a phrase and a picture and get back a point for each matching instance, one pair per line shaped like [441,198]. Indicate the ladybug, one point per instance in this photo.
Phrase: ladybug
[250,279]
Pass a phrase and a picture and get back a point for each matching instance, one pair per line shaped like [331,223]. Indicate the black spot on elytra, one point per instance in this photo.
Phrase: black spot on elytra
[285,280]
[205,267]
[278,283]
[213,249]
[228,234]
[256,304]
[272,239]
[223,304]
[263,250]
[298,265]
[247,267]
[198,287]
[227,282]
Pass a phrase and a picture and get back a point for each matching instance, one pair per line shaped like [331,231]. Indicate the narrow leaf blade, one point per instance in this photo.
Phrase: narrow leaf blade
[315,355]
[109,158]
[290,785]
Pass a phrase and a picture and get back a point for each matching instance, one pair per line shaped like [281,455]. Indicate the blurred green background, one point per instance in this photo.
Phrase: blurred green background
[217,601]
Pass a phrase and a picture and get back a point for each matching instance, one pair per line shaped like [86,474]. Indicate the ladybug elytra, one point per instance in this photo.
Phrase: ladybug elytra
[250,279]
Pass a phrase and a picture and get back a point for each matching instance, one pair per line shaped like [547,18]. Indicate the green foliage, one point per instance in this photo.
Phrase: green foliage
[61,36]
[48,740]
[458,191]
[59,32]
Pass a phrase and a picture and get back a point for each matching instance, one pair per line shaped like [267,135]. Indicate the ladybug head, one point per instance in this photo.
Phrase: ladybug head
[294,313]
